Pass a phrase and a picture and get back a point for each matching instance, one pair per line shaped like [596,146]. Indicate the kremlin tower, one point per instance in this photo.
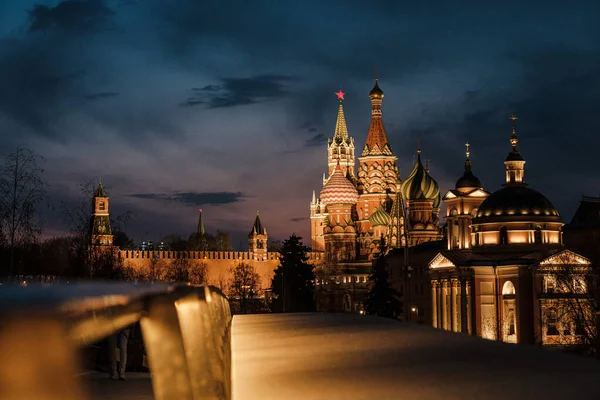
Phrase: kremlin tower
[100,232]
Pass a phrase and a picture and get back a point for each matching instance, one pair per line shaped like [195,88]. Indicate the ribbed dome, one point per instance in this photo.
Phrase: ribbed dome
[420,185]
[512,202]
[379,217]
[338,189]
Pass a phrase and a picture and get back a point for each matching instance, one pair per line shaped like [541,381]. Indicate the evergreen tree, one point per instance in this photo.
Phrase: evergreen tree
[382,300]
[293,283]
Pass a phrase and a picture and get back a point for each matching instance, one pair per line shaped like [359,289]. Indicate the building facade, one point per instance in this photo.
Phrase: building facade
[505,274]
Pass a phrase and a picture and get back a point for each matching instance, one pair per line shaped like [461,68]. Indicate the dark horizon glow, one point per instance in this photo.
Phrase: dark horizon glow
[228,105]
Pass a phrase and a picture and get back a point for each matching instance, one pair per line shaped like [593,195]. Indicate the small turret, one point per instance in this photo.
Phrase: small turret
[515,164]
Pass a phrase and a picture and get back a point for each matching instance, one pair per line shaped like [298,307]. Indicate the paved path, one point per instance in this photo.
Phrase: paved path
[334,356]
[136,387]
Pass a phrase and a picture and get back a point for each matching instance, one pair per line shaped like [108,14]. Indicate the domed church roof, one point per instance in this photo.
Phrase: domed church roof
[379,217]
[420,185]
[516,202]
[468,180]
[376,91]
[338,189]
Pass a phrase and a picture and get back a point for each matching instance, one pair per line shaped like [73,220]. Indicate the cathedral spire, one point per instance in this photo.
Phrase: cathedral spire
[377,141]
[513,138]
[341,130]
[340,148]
[467,157]
[201,232]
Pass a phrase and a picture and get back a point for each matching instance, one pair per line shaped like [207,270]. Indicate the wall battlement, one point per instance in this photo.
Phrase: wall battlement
[209,255]
[218,263]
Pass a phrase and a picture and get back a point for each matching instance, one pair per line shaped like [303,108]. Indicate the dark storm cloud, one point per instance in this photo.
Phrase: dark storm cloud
[233,92]
[318,140]
[44,69]
[101,95]
[195,199]
[75,15]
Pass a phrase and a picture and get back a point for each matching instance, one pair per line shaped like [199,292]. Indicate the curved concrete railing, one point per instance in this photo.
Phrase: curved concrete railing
[186,330]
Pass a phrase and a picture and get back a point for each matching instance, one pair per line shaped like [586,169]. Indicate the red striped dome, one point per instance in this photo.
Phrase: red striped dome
[338,189]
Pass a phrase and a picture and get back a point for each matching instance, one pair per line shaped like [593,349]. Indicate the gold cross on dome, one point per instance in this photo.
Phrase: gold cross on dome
[513,118]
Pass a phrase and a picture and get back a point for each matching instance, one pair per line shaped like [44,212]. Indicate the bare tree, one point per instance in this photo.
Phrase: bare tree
[179,270]
[571,301]
[198,273]
[244,286]
[21,191]
[156,270]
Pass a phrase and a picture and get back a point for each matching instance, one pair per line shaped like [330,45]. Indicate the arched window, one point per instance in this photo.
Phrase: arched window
[537,235]
[503,235]
[508,289]
[101,206]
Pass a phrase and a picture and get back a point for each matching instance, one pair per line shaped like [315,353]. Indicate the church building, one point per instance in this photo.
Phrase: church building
[505,274]
[357,209]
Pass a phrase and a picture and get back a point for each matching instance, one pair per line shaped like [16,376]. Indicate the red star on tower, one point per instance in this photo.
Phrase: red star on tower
[340,94]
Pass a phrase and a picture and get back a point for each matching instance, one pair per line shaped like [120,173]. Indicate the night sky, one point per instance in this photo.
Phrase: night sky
[227,106]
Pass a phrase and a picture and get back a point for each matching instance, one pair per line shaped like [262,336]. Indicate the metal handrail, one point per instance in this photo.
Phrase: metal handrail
[186,330]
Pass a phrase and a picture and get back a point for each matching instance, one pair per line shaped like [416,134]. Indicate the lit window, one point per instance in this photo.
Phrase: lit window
[550,282]
[551,321]
[101,206]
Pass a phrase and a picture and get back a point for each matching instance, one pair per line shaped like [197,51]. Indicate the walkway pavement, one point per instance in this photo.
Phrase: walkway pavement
[137,386]
[334,356]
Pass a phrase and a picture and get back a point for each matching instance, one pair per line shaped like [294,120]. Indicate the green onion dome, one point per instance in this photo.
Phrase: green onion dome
[420,185]
[380,217]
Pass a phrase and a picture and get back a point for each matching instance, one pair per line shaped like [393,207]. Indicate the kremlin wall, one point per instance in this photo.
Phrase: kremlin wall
[218,263]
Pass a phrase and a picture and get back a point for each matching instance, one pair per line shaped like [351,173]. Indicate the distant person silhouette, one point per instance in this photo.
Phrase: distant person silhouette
[118,341]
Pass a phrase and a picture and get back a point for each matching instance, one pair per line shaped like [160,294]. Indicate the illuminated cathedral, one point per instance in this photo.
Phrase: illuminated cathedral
[359,206]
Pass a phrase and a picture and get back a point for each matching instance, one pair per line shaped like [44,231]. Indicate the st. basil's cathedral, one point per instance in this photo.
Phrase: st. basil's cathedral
[355,211]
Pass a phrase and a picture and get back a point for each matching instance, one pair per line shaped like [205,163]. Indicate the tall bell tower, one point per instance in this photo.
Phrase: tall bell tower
[378,180]
[100,232]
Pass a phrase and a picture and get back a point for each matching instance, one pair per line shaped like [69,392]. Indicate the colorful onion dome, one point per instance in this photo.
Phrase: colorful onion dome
[338,189]
[420,185]
[380,217]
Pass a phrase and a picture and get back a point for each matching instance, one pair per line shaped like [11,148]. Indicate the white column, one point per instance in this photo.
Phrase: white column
[452,305]
[444,305]
[469,298]
[456,302]
[434,314]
